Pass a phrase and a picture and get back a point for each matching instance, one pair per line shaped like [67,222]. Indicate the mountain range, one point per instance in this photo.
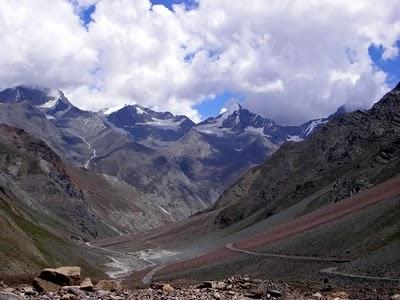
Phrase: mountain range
[198,199]
[322,213]
[184,166]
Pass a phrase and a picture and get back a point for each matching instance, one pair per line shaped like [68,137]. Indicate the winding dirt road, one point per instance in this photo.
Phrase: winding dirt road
[329,271]
[231,247]
[332,271]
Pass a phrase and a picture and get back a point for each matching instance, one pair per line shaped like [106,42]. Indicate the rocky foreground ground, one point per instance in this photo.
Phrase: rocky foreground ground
[65,283]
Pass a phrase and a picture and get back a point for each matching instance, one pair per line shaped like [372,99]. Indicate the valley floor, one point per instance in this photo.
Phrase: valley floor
[310,252]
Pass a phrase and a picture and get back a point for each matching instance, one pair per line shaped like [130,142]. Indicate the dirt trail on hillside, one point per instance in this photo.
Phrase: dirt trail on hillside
[384,191]
[231,247]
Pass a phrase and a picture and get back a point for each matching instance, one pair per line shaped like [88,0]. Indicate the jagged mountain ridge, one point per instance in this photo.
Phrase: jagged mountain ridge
[350,153]
[84,139]
[183,166]
[215,151]
[332,196]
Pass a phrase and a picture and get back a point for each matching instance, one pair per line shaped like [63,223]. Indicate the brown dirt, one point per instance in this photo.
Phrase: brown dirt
[384,191]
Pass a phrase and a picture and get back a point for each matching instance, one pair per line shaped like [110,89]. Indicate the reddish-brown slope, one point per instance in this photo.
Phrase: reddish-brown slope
[384,191]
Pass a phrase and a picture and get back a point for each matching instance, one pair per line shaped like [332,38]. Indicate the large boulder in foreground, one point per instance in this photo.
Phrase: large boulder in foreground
[43,286]
[62,276]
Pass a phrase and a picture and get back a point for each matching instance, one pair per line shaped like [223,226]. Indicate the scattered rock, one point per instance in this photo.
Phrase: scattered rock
[395,297]
[254,295]
[102,293]
[43,286]
[217,295]
[74,290]
[109,285]
[274,293]
[234,288]
[318,295]
[168,288]
[8,296]
[86,285]
[112,297]
[338,296]
[26,290]
[62,276]
[69,297]
[213,285]
[157,286]
[209,285]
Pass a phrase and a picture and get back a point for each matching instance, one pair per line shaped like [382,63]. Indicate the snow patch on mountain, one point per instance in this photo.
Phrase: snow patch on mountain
[109,111]
[139,110]
[49,104]
[167,123]
[48,117]
[313,125]
[259,130]
[294,138]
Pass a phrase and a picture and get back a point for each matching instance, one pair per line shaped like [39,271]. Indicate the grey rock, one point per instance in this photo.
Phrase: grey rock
[8,296]
[68,275]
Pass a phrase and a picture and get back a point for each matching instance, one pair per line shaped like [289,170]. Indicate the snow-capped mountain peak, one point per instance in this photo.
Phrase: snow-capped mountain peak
[51,102]
[110,110]
[230,109]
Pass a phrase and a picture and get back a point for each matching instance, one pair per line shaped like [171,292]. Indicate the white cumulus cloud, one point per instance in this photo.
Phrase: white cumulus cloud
[291,60]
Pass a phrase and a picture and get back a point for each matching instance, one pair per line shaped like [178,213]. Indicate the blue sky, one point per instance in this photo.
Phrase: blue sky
[390,66]
[169,3]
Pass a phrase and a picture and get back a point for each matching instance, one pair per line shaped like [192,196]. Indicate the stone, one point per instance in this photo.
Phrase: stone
[253,295]
[8,296]
[69,297]
[109,285]
[63,276]
[257,292]
[43,286]
[217,295]
[86,285]
[74,290]
[213,285]
[168,288]
[395,297]
[274,293]
[318,295]
[27,290]
[157,286]
[209,284]
[9,290]
[102,293]
[339,295]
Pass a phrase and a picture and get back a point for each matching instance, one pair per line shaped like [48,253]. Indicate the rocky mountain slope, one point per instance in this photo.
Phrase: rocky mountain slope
[349,154]
[216,151]
[48,206]
[321,212]
[84,139]
[180,165]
